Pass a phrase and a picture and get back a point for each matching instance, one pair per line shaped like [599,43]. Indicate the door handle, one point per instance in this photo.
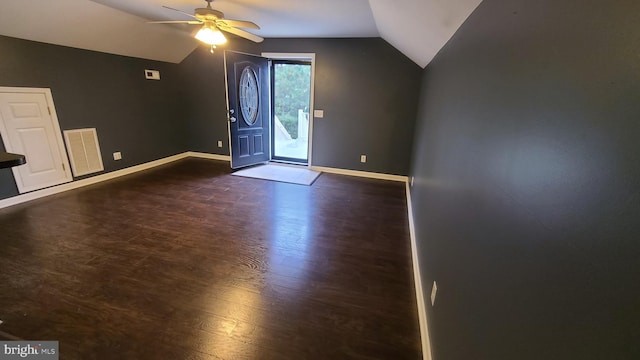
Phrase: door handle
[232,119]
[232,111]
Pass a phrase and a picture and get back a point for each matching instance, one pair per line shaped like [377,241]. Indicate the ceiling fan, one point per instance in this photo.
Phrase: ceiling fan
[212,22]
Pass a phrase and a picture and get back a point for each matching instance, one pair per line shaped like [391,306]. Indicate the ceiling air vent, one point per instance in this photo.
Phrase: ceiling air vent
[84,151]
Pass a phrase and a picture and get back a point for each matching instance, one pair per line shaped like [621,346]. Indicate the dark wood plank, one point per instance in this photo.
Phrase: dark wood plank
[188,262]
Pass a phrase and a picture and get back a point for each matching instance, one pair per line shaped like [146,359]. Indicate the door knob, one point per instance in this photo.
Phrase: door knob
[232,111]
[232,119]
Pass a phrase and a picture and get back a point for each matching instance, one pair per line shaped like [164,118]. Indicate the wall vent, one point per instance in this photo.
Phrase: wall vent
[84,151]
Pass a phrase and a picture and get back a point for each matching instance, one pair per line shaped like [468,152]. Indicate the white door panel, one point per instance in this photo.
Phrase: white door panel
[29,128]
[25,110]
[34,141]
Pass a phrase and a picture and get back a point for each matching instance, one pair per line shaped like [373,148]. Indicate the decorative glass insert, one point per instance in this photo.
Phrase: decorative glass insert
[248,90]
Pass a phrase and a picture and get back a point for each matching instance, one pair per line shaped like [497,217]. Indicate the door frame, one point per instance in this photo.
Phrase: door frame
[297,57]
[56,128]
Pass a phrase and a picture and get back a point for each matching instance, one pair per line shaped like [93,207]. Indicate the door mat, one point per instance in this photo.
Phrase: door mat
[284,173]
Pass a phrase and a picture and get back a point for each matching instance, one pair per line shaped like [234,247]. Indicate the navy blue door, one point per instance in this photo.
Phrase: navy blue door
[247,80]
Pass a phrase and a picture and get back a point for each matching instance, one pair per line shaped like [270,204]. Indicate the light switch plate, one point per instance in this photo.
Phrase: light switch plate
[318,114]
[117,155]
[220,143]
[152,74]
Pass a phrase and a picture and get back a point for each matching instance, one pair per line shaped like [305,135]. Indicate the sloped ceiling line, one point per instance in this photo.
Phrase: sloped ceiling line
[420,28]
[417,28]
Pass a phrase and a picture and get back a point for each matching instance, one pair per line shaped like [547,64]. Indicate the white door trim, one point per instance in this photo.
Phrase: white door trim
[56,127]
[307,57]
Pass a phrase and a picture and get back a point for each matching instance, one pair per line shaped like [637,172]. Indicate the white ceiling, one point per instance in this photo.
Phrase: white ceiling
[418,28]
[277,18]
[88,25]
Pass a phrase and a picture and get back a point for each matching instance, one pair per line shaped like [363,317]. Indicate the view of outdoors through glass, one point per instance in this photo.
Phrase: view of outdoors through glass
[291,89]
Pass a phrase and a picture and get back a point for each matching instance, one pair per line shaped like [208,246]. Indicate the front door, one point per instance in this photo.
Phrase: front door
[29,127]
[247,78]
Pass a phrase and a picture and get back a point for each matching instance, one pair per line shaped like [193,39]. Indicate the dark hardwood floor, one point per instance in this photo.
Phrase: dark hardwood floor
[186,261]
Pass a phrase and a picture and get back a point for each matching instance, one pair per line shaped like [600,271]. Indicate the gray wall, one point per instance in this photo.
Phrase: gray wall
[527,183]
[367,89]
[141,118]
[206,110]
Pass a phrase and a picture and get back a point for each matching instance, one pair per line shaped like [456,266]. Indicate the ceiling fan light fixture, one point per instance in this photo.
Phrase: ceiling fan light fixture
[210,35]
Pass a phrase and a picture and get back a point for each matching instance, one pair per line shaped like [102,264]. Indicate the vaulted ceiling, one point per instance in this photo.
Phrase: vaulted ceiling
[418,28]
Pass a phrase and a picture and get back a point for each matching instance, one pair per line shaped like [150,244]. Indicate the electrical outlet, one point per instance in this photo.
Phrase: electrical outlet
[117,155]
[318,114]
[219,143]
[434,291]
[363,158]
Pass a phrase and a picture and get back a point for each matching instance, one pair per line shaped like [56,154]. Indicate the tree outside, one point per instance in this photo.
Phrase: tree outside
[291,92]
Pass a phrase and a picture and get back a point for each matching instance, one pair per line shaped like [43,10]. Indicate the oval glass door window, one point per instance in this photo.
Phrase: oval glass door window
[248,95]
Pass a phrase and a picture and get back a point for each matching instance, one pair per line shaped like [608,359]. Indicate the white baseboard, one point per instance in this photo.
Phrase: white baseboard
[209,156]
[357,173]
[19,199]
[365,174]
[88,181]
[422,310]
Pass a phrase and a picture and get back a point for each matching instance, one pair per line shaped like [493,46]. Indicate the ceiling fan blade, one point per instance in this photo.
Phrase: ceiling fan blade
[238,23]
[190,22]
[180,11]
[241,33]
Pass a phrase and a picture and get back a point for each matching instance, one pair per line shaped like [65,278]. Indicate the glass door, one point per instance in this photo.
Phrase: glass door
[291,91]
